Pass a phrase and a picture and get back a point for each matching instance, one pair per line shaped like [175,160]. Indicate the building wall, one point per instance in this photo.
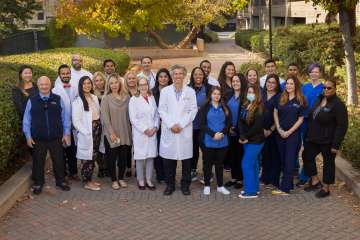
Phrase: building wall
[41,17]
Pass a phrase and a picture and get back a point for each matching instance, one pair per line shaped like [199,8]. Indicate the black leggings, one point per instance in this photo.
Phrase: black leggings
[311,150]
[117,155]
[214,156]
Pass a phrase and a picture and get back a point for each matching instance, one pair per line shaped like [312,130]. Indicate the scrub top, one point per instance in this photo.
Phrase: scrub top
[311,94]
[289,113]
[200,100]
[269,105]
[216,121]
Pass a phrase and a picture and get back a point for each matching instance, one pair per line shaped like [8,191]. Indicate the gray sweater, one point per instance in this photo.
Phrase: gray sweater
[115,117]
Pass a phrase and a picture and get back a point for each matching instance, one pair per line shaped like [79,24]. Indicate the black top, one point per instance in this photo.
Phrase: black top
[269,105]
[328,124]
[207,88]
[20,99]
[227,92]
[204,128]
[156,92]
[253,132]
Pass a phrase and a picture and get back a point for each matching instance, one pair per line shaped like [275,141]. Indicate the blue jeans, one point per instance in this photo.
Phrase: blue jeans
[251,168]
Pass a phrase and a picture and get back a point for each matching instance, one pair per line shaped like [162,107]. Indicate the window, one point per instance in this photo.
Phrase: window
[298,20]
[40,16]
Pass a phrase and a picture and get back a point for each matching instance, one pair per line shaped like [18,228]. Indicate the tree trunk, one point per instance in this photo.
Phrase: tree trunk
[182,44]
[352,20]
[352,97]
[188,38]
[159,41]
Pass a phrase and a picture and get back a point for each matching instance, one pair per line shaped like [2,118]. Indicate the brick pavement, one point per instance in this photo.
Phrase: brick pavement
[134,214]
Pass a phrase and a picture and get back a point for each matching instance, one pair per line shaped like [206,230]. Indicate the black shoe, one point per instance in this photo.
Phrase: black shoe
[63,186]
[322,194]
[312,188]
[238,185]
[37,189]
[168,191]
[128,173]
[230,183]
[301,183]
[185,191]
[151,188]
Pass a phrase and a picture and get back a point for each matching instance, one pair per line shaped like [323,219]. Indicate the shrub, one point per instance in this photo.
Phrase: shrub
[64,36]
[243,38]
[211,36]
[351,145]
[43,63]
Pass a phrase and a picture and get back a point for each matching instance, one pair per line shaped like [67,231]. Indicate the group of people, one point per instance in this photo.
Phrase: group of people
[241,123]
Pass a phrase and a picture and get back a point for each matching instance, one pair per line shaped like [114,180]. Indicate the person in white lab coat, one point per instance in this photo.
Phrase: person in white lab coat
[146,63]
[205,65]
[145,123]
[86,120]
[177,109]
[68,93]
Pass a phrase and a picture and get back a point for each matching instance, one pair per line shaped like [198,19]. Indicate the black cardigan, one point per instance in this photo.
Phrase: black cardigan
[204,128]
[330,125]
[20,100]
[253,132]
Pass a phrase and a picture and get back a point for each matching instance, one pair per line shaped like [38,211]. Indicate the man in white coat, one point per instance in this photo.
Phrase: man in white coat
[77,71]
[68,93]
[177,109]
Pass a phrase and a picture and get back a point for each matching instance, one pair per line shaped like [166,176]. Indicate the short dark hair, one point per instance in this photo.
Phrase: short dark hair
[314,65]
[293,65]
[63,66]
[107,61]
[142,58]
[333,81]
[270,60]
[204,61]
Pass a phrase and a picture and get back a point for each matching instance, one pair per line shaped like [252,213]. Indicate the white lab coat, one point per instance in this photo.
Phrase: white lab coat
[82,121]
[213,82]
[177,146]
[143,116]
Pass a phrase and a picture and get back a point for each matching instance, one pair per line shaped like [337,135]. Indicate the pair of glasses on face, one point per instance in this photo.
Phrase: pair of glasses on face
[328,88]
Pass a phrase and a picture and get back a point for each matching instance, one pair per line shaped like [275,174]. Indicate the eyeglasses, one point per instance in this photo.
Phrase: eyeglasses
[328,88]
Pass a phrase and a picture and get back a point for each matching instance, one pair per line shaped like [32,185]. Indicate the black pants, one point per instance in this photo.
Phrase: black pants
[129,157]
[117,155]
[170,172]
[159,161]
[311,150]
[214,156]
[235,155]
[196,146]
[70,158]
[270,163]
[39,156]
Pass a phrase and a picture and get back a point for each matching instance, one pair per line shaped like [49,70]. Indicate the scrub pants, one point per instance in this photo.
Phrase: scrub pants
[271,165]
[288,149]
[303,129]
[251,167]
[196,148]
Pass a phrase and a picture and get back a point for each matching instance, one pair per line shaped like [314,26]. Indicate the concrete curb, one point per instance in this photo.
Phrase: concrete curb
[346,173]
[14,188]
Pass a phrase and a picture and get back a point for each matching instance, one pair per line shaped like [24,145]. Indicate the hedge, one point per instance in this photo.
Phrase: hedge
[43,63]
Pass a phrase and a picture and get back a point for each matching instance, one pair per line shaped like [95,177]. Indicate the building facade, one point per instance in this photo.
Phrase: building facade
[284,12]
[41,17]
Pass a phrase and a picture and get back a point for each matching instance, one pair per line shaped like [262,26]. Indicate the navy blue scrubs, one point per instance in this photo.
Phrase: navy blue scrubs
[270,155]
[288,114]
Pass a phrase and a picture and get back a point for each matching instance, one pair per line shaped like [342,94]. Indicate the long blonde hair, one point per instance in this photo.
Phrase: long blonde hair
[126,77]
[97,91]
[122,91]
[284,98]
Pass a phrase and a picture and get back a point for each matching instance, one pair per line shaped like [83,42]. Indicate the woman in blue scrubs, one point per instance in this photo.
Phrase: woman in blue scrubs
[235,153]
[270,173]
[288,117]
[312,91]
[198,82]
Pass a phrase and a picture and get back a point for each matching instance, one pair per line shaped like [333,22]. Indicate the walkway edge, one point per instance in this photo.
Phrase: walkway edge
[348,174]
[14,188]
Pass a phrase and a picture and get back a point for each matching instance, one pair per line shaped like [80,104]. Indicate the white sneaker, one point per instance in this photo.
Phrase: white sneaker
[223,190]
[242,192]
[206,191]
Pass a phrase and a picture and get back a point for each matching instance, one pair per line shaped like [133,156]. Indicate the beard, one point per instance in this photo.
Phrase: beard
[65,80]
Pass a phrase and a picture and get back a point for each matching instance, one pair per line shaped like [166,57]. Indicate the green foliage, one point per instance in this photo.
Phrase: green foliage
[211,36]
[351,145]
[252,65]
[242,38]
[19,10]
[43,63]
[60,36]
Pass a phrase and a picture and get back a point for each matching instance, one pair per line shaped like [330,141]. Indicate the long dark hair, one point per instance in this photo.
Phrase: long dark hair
[192,80]
[243,88]
[284,97]
[81,91]
[256,105]
[222,102]
[277,79]
[20,83]
[222,76]
[162,70]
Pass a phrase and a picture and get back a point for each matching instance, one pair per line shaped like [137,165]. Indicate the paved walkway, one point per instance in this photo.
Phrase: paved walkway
[133,214]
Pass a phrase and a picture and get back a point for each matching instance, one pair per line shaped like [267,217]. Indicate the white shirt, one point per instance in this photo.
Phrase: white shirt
[212,81]
[263,80]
